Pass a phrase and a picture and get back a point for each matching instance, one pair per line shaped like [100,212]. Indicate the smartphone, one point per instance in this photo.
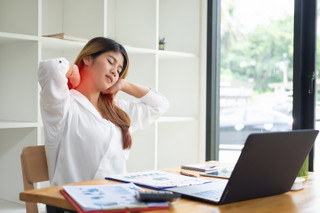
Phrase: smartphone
[221,172]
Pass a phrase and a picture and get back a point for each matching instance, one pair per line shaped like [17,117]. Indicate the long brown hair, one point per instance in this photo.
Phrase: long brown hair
[107,107]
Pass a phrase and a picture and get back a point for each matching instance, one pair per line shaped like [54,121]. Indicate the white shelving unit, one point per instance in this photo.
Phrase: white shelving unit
[176,138]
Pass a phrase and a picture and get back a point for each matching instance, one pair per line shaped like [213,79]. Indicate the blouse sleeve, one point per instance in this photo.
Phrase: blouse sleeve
[143,113]
[55,95]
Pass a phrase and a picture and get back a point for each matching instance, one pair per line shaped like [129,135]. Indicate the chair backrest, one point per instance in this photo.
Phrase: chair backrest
[34,169]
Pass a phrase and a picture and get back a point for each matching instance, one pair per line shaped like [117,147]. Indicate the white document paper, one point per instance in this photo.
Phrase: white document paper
[108,197]
[158,179]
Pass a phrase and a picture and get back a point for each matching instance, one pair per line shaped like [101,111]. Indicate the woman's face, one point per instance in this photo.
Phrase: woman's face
[105,69]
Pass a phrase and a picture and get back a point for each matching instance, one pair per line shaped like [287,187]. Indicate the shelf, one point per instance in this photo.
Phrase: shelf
[176,119]
[137,25]
[58,44]
[10,124]
[164,54]
[137,50]
[8,37]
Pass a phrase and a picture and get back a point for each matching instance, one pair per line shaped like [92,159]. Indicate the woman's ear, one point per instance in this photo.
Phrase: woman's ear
[87,60]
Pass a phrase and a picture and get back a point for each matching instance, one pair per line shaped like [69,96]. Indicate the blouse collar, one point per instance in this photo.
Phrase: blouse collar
[84,102]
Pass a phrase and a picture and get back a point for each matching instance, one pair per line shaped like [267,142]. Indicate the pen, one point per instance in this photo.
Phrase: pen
[187,174]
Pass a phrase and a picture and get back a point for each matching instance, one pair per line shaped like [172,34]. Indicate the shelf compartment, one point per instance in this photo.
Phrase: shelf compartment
[183,98]
[85,20]
[178,144]
[19,16]
[141,71]
[12,143]
[135,22]
[179,23]
[18,81]
[142,153]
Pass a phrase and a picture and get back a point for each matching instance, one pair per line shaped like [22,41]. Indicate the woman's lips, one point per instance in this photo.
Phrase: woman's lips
[109,78]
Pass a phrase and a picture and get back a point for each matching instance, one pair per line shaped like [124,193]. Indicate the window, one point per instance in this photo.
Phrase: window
[253,71]
[256,59]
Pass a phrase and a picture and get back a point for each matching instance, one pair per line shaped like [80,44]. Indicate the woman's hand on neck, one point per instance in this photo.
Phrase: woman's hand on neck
[128,87]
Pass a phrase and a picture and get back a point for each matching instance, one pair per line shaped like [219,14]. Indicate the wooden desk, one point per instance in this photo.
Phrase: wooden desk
[306,200]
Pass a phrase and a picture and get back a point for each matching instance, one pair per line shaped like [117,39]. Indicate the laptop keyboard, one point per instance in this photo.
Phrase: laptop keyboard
[213,194]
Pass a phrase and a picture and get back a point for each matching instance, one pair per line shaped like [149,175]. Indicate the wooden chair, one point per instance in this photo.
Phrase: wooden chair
[34,169]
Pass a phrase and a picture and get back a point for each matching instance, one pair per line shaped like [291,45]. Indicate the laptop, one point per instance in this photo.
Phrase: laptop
[268,165]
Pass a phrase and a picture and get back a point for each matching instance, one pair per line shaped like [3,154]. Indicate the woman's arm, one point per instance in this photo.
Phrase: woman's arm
[128,87]
[55,95]
[145,111]
[133,89]
[151,106]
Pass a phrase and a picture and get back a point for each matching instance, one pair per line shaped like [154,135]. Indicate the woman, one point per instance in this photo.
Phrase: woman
[87,131]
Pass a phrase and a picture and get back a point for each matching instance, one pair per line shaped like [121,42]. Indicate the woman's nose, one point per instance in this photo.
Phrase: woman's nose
[113,72]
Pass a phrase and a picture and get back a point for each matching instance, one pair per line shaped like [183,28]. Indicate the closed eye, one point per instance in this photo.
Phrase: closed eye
[112,60]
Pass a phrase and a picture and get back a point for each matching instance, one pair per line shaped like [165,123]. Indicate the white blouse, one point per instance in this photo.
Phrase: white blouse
[80,144]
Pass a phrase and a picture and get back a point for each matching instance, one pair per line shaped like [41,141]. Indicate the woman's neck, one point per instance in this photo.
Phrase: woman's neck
[91,94]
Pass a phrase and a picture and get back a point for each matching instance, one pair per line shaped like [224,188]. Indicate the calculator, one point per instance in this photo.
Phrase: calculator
[156,196]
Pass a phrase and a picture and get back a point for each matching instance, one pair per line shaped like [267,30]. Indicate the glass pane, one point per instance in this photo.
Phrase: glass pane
[256,71]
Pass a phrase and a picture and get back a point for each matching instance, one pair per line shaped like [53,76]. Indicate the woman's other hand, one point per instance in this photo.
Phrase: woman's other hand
[128,87]
[115,88]
[73,76]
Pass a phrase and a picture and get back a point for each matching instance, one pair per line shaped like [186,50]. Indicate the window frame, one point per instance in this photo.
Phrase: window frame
[305,16]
